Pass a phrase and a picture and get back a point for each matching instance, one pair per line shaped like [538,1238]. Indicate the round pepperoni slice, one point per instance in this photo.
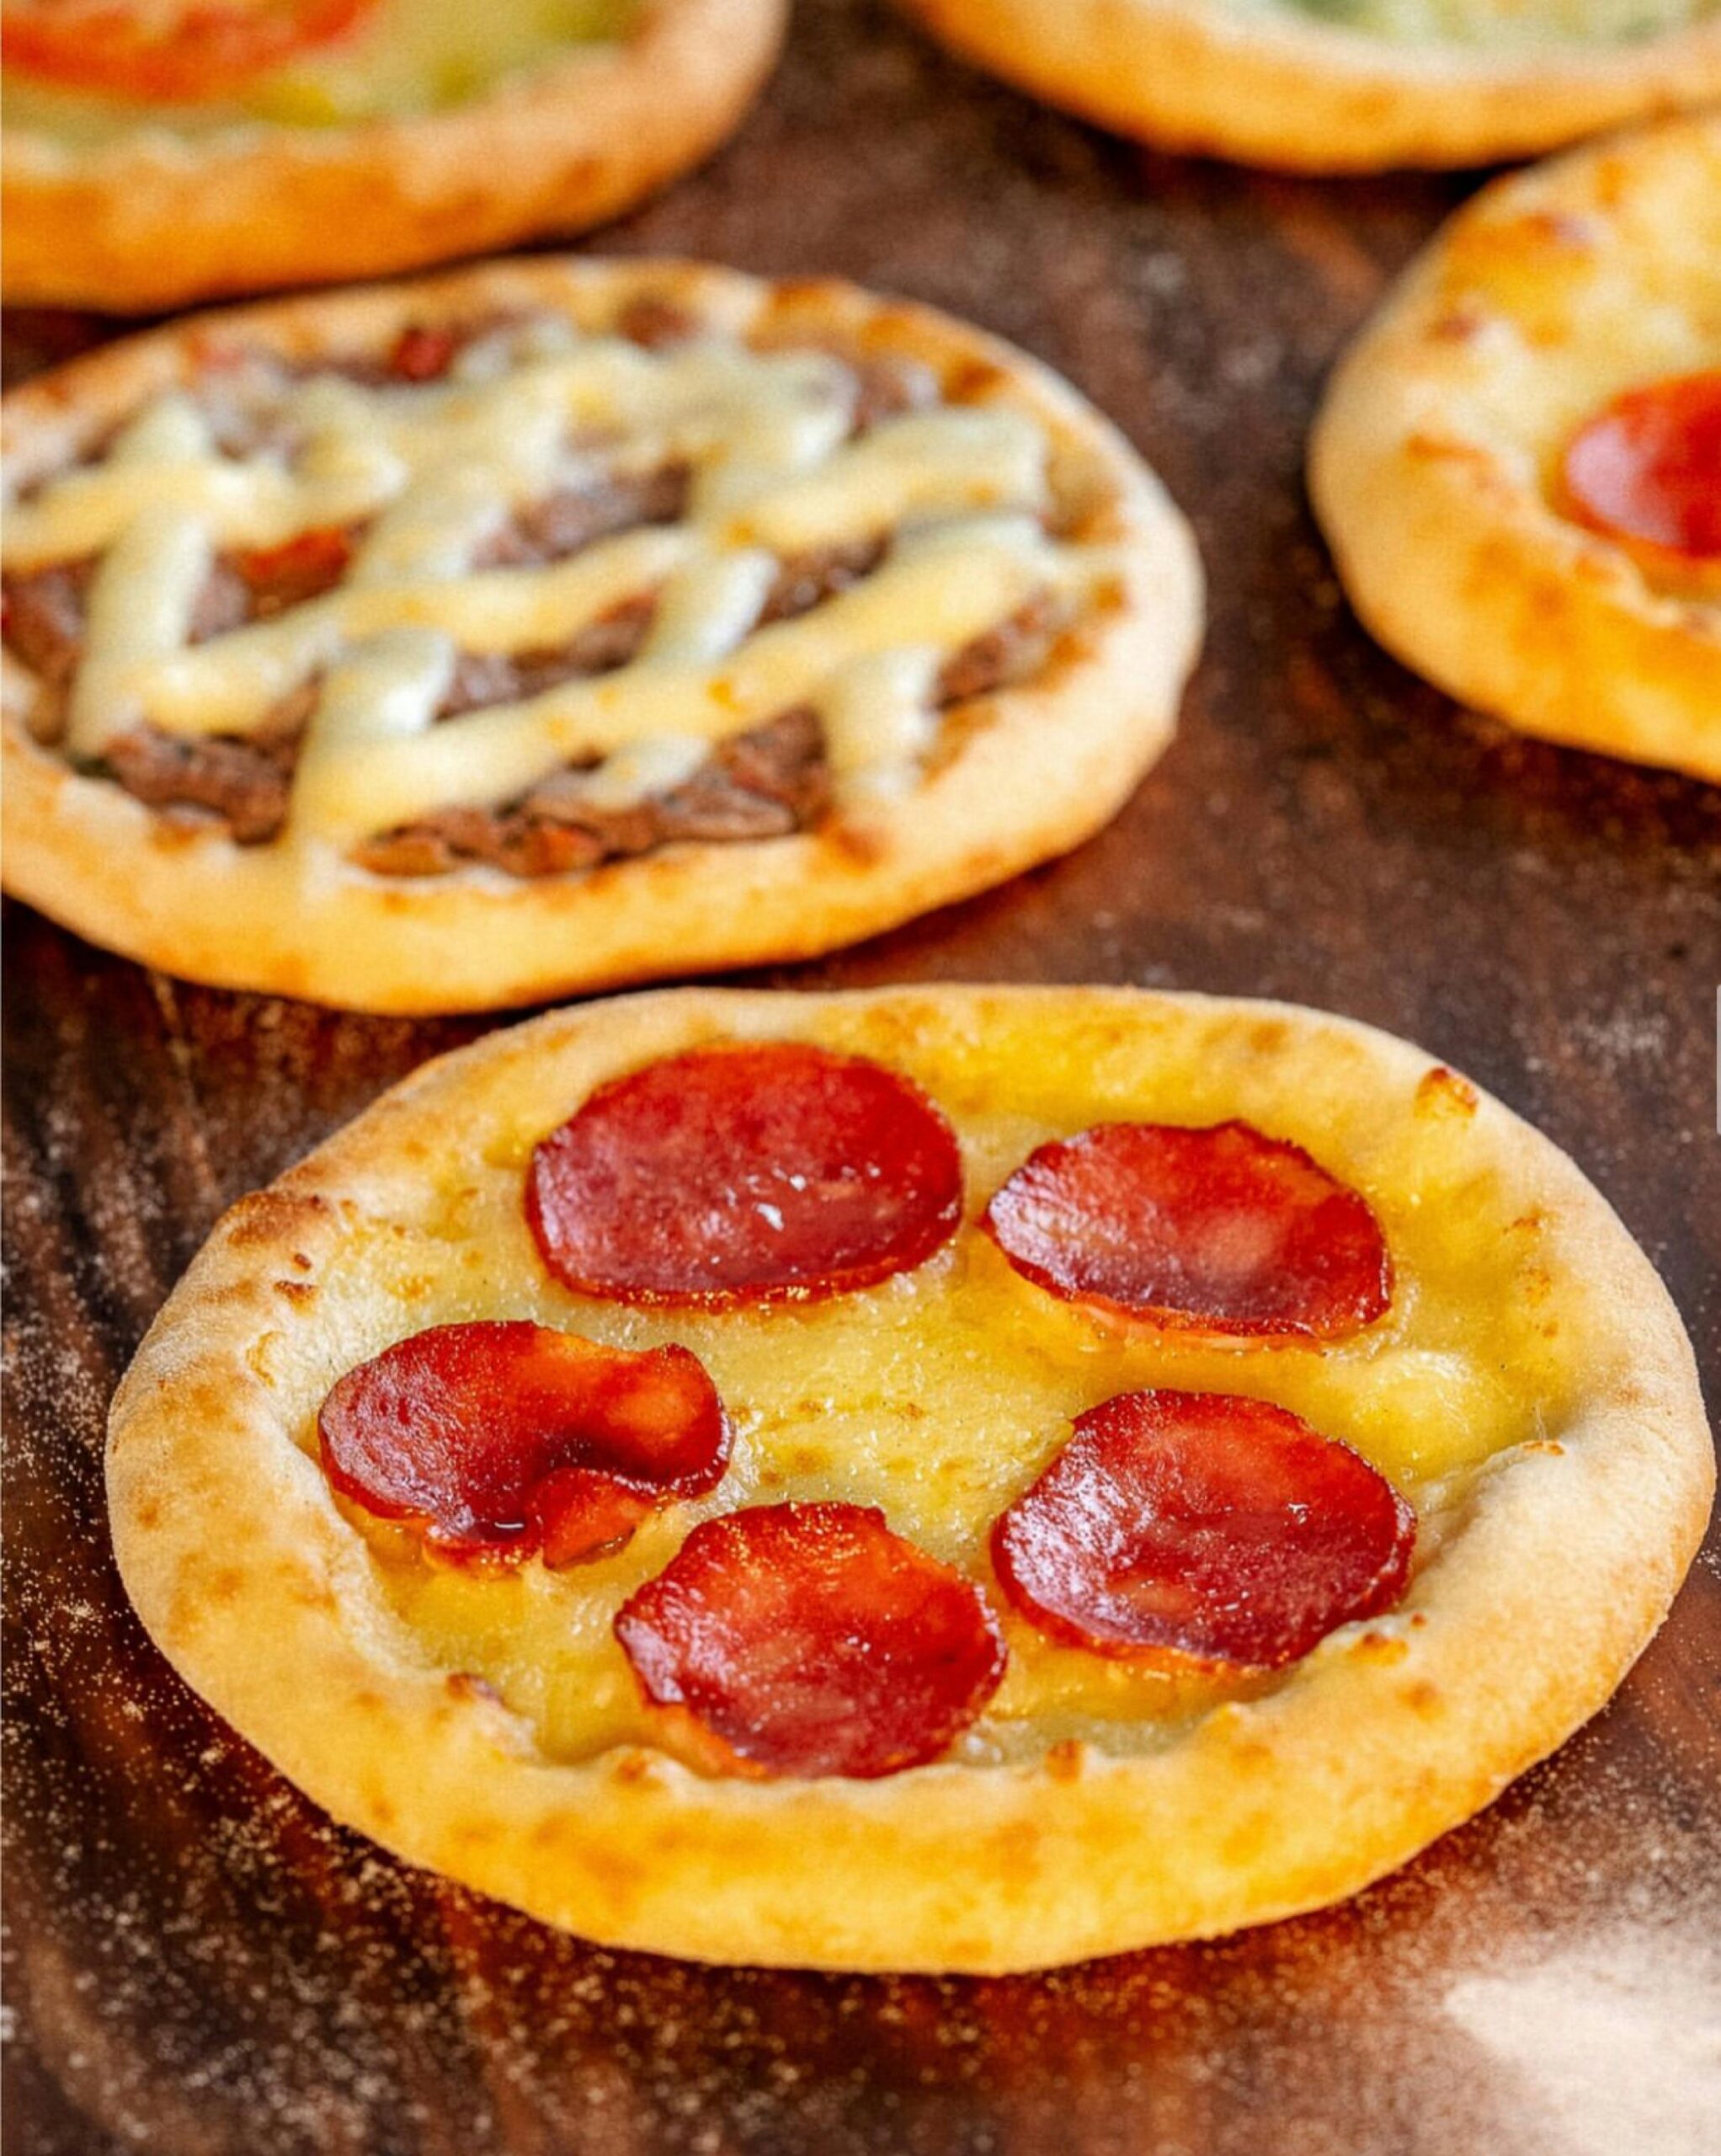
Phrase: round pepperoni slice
[810,1640]
[1221,1231]
[1648,467]
[744,1175]
[180,51]
[504,1439]
[1193,1523]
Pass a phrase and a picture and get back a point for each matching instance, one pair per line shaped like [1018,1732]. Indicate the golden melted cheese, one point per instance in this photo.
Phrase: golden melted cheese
[941,1394]
[404,57]
[430,471]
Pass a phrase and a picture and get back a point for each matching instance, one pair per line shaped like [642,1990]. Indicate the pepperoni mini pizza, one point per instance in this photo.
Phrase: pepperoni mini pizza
[558,623]
[1347,85]
[1519,465]
[942,1479]
[162,151]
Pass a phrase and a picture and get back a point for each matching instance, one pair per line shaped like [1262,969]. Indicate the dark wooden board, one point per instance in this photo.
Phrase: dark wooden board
[200,1965]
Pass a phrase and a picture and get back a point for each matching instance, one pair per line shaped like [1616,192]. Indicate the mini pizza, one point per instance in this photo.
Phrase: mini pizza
[162,151]
[1330,86]
[560,624]
[1518,465]
[946,1478]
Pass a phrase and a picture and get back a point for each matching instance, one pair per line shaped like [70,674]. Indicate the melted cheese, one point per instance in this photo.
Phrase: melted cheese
[404,57]
[427,471]
[1509,25]
[941,1394]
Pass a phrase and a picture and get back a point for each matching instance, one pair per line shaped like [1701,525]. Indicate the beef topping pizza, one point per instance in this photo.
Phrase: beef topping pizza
[745,1174]
[503,1440]
[1648,467]
[1221,1230]
[808,1639]
[506,596]
[1221,1529]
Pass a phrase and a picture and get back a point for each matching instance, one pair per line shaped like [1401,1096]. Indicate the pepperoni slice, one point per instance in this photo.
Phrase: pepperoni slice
[1193,1523]
[745,1175]
[504,1439]
[810,1640]
[1220,1231]
[1648,467]
[180,51]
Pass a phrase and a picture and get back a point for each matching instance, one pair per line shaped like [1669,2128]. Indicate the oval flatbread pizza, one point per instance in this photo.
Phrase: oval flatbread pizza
[555,624]
[159,152]
[1330,86]
[1518,465]
[821,1572]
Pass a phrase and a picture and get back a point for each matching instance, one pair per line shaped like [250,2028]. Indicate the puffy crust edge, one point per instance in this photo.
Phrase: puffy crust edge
[1052,760]
[1382,1739]
[1206,76]
[155,221]
[1457,562]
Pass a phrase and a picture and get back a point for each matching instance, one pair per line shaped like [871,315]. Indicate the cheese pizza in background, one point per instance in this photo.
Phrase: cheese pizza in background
[1518,465]
[162,151]
[1331,85]
[553,624]
[947,1478]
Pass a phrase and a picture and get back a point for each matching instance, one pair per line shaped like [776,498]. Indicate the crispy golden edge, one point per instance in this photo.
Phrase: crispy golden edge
[1447,544]
[1206,76]
[156,221]
[1053,758]
[1385,1736]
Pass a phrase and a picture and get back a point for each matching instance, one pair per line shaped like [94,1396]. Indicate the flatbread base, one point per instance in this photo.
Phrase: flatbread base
[1430,464]
[1556,1561]
[1268,88]
[155,221]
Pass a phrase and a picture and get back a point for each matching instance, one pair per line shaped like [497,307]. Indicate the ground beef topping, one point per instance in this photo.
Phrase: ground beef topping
[44,618]
[804,581]
[886,387]
[767,784]
[241,782]
[657,324]
[573,518]
[1018,647]
[769,781]
[482,678]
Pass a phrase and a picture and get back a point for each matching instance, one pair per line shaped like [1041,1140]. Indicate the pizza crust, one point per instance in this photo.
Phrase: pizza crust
[154,221]
[1556,1561]
[1262,87]
[1044,764]
[1431,463]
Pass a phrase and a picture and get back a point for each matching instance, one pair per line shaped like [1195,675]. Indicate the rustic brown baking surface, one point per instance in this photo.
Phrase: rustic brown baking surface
[201,1966]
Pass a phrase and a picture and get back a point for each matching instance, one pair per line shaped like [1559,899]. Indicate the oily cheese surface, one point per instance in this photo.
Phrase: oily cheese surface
[1530,1393]
[1435,465]
[1346,85]
[1003,491]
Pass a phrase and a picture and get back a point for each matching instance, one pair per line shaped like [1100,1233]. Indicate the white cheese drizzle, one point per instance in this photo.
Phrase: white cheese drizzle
[429,470]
